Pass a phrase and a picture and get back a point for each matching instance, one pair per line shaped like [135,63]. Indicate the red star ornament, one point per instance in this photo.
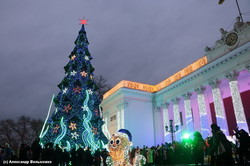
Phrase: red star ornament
[56,128]
[77,89]
[94,130]
[67,108]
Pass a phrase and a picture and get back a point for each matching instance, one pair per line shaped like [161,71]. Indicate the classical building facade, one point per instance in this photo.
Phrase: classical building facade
[213,89]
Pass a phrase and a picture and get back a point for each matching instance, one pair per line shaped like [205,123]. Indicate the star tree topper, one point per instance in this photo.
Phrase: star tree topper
[84,21]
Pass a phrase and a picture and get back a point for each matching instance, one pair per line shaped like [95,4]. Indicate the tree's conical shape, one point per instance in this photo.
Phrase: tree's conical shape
[76,120]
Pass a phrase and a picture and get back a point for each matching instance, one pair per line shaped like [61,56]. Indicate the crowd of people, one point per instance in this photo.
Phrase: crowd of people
[217,150]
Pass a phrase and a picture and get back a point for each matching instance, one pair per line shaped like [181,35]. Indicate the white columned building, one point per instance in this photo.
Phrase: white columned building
[213,89]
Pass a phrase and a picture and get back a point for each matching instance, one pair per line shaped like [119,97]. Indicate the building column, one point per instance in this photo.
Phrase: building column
[177,118]
[120,114]
[237,103]
[205,128]
[219,106]
[105,126]
[188,112]
[165,122]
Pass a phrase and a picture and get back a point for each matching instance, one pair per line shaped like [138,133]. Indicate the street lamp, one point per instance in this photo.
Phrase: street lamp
[171,129]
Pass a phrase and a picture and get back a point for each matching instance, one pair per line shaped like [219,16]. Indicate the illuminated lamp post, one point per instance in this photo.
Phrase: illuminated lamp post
[171,129]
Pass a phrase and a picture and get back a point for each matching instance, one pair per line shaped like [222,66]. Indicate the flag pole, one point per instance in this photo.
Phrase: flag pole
[239,10]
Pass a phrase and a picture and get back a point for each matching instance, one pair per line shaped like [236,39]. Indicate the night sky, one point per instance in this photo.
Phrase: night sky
[137,40]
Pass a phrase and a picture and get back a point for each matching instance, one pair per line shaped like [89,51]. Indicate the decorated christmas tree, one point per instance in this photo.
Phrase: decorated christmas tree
[76,121]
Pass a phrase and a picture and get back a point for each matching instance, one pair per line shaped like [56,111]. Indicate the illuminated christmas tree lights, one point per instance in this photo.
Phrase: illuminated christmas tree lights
[76,122]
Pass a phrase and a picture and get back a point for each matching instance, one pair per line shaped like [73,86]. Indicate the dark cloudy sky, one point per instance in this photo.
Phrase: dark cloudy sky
[138,40]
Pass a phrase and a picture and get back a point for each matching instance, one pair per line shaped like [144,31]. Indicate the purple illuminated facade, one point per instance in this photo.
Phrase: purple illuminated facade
[218,92]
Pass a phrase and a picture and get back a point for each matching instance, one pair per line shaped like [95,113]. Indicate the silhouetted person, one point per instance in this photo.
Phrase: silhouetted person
[244,141]
[198,148]
[150,156]
[89,158]
[1,156]
[104,155]
[73,156]
[80,157]
[221,147]
[48,153]
[7,152]
[23,152]
[65,158]
[97,156]
[211,151]
[36,150]
[57,155]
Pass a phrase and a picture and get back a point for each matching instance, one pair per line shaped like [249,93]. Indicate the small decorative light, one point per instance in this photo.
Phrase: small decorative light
[67,108]
[90,91]
[86,58]
[65,90]
[77,89]
[73,57]
[73,73]
[74,135]
[55,130]
[237,102]
[83,74]
[72,126]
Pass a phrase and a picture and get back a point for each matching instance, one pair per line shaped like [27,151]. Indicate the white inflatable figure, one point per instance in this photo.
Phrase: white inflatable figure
[120,148]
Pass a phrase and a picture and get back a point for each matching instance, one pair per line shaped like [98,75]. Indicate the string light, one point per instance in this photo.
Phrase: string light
[189,118]
[219,110]
[64,130]
[45,132]
[237,104]
[177,119]
[87,133]
[68,147]
[165,119]
[203,116]
[176,114]
[42,134]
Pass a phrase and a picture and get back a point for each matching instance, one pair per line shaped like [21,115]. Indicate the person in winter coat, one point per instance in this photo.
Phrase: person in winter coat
[198,148]
[221,147]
